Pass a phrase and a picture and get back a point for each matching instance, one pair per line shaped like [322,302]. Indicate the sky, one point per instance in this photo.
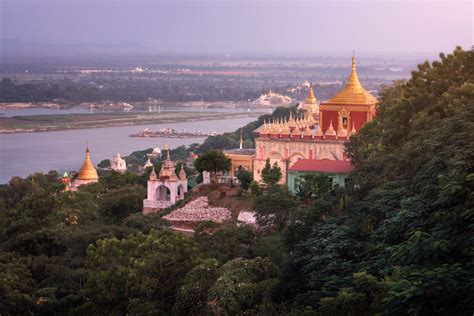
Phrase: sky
[244,27]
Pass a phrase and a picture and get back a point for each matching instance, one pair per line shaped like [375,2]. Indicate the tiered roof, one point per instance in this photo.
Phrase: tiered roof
[353,93]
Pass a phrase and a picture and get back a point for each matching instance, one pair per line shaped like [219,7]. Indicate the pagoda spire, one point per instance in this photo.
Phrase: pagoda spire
[165,147]
[241,141]
[353,80]
[311,99]
[88,171]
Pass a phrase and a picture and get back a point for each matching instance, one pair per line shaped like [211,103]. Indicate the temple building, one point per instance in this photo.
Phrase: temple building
[87,173]
[166,188]
[240,158]
[349,109]
[118,164]
[319,134]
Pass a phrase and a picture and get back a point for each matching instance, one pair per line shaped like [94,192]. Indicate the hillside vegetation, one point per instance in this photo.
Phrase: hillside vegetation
[398,240]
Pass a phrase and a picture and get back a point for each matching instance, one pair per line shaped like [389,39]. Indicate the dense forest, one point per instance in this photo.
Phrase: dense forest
[398,240]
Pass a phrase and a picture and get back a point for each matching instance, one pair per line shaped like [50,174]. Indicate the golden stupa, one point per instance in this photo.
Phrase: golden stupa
[311,99]
[88,171]
[353,92]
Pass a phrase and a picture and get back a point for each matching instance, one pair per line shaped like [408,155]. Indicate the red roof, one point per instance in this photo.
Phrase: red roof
[325,166]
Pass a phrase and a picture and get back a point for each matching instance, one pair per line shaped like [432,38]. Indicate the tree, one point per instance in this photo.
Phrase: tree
[213,161]
[192,295]
[226,243]
[245,178]
[271,174]
[242,285]
[274,206]
[410,210]
[138,274]
[16,288]
[312,185]
[117,204]
[104,163]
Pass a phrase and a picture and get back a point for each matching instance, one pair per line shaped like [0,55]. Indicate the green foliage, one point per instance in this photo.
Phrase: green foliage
[245,178]
[242,285]
[313,186]
[117,204]
[274,206]
[225,243]
[255,188]
[16,287]
[396,241]
[104,163]
[138,273]
[213,161]
[192,295]
[271,174]
[410,208]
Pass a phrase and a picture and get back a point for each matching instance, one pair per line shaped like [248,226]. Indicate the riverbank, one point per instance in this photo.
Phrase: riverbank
[58,122]
[22,154]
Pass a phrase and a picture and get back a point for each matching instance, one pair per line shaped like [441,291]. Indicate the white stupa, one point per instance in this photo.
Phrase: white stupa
[118,163]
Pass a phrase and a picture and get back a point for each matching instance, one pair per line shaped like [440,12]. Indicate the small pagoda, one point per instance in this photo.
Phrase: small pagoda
[87,173]
[166,188]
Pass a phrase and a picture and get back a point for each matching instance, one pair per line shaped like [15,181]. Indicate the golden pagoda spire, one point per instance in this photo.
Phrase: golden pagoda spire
[241,141]
[311,99]
[88,171]
[353,79]
[353,92]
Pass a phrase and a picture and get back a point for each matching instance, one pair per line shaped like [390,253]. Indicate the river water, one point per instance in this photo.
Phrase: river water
[25,153]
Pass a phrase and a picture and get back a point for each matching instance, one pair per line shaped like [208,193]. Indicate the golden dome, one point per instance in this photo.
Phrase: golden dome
[88,172]
[353,92]
[311,99]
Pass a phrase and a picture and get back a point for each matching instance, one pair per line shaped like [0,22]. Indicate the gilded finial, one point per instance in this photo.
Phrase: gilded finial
[353,60]
[311,99]
[353,93]
[241,140]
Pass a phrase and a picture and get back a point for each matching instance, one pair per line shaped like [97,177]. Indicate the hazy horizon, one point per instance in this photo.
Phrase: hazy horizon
[301,28]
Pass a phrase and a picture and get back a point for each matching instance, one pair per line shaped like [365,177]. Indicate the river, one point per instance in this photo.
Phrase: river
[73,110]
[25,153]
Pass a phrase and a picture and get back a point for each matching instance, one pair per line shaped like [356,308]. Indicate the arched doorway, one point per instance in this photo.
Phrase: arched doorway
[163,193]
[180,192]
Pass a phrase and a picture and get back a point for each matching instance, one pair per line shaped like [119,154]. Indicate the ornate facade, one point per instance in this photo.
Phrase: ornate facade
[350,108]
[320,134]
[166,188]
